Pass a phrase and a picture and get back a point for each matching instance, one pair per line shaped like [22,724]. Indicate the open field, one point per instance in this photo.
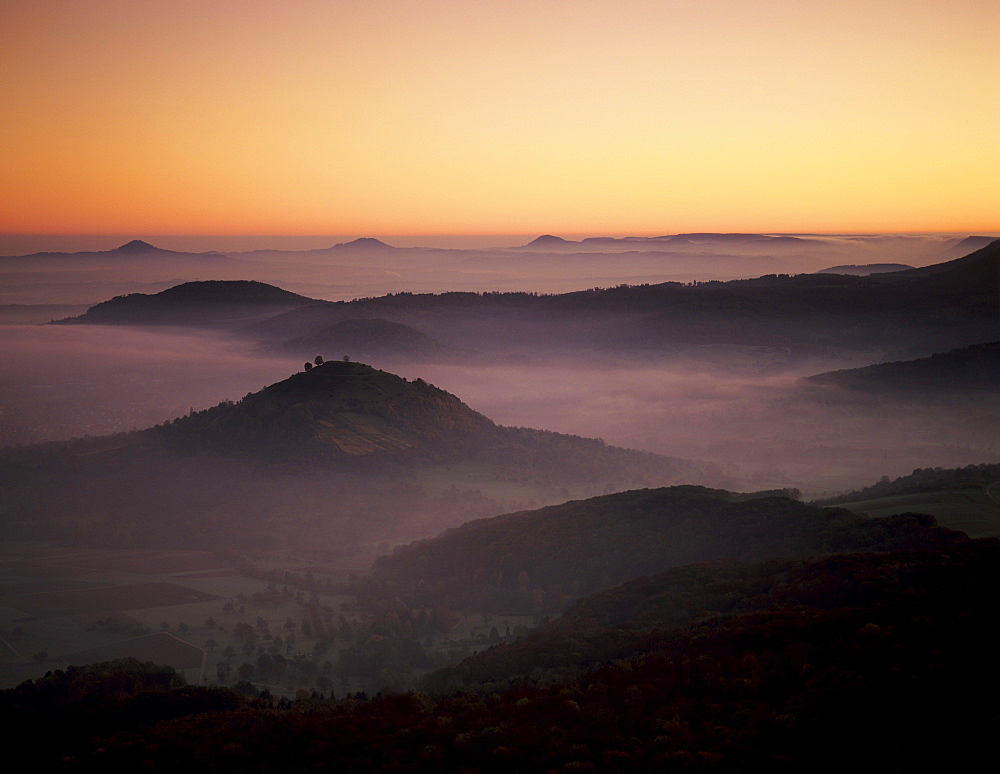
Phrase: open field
[972,511]
[75,605]
[196,612]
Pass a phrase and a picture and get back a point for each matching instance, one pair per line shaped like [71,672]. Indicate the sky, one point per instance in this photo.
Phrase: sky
[385,117]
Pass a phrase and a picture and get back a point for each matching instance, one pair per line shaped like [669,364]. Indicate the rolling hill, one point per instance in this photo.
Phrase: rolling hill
[864,270]
[536,561]
[211,302]
[862,662]
[917,311]
[328,458]
[971,371]
[921,311]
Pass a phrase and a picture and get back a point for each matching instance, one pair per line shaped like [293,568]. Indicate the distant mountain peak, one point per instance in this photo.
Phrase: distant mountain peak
[363,243]
[195,303]
[864,270]
[548,240]
[137,246]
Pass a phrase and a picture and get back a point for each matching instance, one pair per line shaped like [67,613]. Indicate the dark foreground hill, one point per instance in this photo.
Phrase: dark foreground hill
[537,561]
[328,458]
[624,620]
[862,662]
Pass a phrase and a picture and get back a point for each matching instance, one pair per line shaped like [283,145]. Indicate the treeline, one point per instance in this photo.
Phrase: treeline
[923,480]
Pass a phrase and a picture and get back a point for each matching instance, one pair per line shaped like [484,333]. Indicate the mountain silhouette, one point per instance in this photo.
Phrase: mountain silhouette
[548,240]
[195,303]
[863,270]
[969,371]
[338,410]
[363,243]
[138,246]
[983,264]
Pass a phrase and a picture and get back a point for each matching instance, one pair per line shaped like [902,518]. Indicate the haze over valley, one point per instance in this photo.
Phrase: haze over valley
[519,387]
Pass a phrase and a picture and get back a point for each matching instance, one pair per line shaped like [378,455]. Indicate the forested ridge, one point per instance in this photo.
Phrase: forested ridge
[861,662]
[538,561]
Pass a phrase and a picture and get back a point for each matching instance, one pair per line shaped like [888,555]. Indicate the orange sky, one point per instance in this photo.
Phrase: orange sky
[474,116]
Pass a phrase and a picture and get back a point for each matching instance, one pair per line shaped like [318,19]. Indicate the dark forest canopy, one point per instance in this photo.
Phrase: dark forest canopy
[645,613]
[854,662]
[537,561]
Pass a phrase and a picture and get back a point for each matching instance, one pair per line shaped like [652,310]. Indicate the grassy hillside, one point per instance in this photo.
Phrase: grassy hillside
[966,499]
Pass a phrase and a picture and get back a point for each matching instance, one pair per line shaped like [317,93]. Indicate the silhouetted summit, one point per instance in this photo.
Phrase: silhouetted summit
[195,303]
[340,410]
[363,243]
[343,409]
[548,240]
[138,246]
[864,270]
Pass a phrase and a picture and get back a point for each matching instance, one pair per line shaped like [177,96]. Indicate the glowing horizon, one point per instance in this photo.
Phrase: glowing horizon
[436,117]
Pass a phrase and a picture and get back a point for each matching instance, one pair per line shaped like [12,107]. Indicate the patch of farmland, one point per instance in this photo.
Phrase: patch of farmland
[20,586]
[145,562]
[107,599]
[224,585]
[968,511]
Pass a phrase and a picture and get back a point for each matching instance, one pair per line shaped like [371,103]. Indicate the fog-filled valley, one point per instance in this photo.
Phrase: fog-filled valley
[616,481]
[717,376]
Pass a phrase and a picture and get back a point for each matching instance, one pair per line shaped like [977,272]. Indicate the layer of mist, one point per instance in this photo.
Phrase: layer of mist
[730,406]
